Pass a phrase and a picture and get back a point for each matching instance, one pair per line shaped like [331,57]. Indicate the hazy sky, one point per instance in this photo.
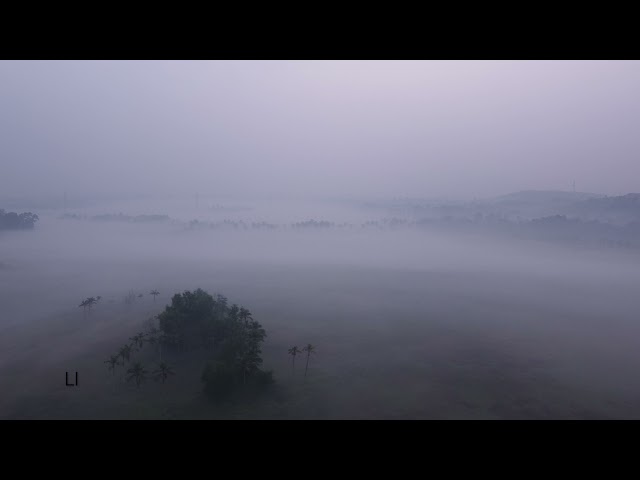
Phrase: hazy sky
[383,128]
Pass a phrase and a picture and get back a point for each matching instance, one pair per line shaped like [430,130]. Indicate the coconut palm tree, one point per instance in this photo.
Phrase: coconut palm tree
[84,306]
[137,340]
[293,351]
[137,373]
[154,293]
[309,349]
[125,353]
[91,301]
[163,372]
[140,295]
[112,362]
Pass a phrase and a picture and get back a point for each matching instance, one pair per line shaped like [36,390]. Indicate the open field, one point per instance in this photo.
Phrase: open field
[393,343]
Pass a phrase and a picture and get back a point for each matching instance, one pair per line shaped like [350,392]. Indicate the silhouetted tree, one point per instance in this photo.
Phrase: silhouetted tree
[137,373]
[221,302]
[245,315]
[112,362]
[87,303]
[163,372]
[197,320]
[125,353]
[249,362]
[137,340]
[234,312]
[293,351]
[91,301]
[309,349]
[189,321]
[154,293]
[84,306]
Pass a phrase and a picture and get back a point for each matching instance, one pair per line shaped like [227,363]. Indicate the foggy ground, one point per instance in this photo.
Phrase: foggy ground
[407,324]
[469,244]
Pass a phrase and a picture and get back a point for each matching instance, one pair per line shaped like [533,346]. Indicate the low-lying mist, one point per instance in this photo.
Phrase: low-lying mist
[407,323]
[319,239]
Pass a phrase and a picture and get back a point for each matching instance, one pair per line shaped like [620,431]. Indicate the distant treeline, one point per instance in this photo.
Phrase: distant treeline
[554,228]
[620,210]
[119,218]
[17,221]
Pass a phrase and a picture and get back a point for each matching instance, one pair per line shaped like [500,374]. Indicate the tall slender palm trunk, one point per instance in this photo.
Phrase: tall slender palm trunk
[307,366]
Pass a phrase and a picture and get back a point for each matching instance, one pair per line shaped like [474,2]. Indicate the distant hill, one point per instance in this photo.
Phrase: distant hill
[617,209]
[536,203]
[544,196]
[629,202]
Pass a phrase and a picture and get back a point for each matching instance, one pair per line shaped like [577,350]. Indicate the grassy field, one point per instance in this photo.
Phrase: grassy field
[392,344]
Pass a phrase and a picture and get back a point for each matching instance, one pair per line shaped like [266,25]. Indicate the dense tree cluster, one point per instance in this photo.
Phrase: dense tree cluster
[195,321]
[228,333]
[17,221]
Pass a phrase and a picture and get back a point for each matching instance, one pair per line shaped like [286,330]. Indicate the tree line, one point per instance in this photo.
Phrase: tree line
[17,221]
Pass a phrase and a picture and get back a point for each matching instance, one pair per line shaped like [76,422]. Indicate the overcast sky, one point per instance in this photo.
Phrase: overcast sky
[334,128]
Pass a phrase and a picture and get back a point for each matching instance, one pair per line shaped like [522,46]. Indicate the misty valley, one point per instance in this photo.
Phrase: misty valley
[319,239]
[522,306]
